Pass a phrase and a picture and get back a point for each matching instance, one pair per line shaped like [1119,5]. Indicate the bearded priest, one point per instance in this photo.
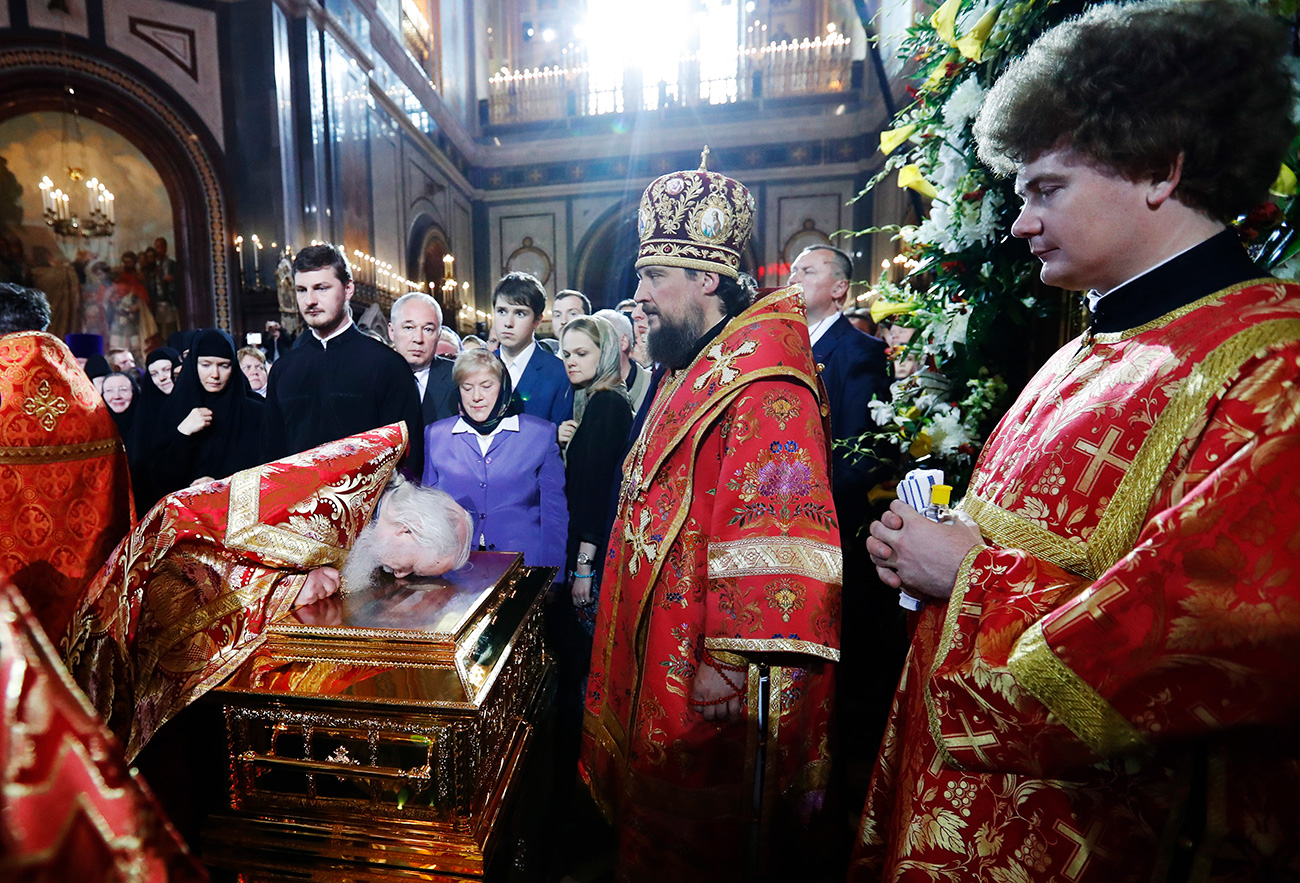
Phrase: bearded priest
[718,630]
[1103,685]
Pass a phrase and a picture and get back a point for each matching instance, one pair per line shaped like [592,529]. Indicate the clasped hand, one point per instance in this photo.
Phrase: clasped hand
[912,552]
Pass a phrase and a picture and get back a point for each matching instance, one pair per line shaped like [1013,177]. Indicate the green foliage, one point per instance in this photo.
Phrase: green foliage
[971,289]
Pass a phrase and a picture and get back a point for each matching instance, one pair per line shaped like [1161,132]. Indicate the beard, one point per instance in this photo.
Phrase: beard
[367,552]
[673,343]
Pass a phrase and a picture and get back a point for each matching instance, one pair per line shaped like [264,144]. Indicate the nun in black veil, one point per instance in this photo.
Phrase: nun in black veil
[150,422]
[212,421]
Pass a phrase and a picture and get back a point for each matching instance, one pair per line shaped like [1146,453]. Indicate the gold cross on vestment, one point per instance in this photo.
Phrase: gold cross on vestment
[45,407]
[1089,606]
[639,539]
[974,741]
[723,361]
[1085,846]
[1101,455]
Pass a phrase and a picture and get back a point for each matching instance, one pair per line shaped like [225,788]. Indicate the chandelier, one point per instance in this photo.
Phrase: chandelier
[66,218]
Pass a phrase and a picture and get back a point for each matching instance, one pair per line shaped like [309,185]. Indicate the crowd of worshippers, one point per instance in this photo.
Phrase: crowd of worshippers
[525,431]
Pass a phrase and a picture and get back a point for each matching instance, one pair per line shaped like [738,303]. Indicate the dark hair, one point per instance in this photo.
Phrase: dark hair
[22,309]
[843,262]
[736,294]
[571,292]
[320,257]
[1133,87]
[523,289]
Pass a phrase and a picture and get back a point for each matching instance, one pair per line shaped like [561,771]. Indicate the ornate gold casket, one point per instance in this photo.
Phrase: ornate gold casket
[383,735]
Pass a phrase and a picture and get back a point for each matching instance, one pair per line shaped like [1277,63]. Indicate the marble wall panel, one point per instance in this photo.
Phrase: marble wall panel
[178,43]
[531,238]
[40,14]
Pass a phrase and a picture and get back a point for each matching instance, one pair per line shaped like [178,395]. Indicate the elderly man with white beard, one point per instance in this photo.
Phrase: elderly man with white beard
[188,596]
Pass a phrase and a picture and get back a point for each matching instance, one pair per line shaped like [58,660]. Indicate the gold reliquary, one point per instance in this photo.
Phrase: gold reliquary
[383,734]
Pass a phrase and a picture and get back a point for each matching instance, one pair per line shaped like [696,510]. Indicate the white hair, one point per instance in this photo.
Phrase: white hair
[447,334]
[434,518]
[621,324]
[418,296]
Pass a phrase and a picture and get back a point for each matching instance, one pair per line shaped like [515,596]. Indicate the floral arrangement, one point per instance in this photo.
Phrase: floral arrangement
[970,284]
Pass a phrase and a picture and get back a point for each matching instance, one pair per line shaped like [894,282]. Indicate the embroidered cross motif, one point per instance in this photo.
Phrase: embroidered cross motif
[1094,607]
[974,741]
[722,363]
[1085,847]
[45,407]
[639,538]
[1101,455]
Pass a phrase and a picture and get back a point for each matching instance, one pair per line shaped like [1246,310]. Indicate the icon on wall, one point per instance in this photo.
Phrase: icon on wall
[528,258]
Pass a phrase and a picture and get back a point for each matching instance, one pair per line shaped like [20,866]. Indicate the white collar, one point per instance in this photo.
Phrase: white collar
[325,341]
[524,355]
[423,373]
[816,331]
[507,424]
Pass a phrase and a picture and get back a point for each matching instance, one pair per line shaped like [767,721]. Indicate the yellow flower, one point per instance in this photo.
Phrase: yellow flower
[911,177]
[890,140]
[972,45]
[882,308]
[944,21]
[921,445]
[1285,185]
[939,73]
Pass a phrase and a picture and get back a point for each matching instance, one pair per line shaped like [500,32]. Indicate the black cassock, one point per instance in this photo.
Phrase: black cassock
[318,394]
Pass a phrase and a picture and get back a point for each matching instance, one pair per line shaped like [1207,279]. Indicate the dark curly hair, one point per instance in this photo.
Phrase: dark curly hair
[321,257]
[736,294]
[1132,87]
[22,309]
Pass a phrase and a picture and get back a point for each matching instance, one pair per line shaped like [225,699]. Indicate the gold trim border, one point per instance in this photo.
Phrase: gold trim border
[1014,532]
[1038,669]
[955,601]
[60,453]
[773,645]
[778,555]
[1121,523]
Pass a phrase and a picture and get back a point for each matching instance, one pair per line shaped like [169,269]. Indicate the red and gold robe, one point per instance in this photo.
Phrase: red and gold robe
[188,594]
[1110,693]
[71,810]
[729,542]
[64,484]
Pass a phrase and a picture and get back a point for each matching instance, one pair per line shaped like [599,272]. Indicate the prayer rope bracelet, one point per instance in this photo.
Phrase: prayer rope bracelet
[739,694]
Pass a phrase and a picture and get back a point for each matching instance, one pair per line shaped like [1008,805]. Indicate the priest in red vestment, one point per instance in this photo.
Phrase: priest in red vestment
[1103,687]
[187,596]
[65,493]
[718,630]
[72,809]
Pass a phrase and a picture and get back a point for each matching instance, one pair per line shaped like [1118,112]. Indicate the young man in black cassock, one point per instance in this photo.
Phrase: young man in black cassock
[336,382]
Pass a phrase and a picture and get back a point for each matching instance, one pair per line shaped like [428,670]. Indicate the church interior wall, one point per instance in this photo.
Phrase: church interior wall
[328,128]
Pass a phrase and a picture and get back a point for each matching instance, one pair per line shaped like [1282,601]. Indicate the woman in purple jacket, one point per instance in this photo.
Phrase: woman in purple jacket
[503,466]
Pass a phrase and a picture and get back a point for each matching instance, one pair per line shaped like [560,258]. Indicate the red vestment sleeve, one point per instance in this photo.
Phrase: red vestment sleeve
[774,560]
[1190,633]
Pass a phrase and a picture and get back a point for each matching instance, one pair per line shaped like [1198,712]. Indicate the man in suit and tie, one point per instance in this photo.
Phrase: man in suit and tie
[537,374]
[415,327]
[853,369]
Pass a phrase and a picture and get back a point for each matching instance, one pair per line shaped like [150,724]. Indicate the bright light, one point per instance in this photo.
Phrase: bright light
[830,28]
[749,7]
[651,37]
[548,35]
